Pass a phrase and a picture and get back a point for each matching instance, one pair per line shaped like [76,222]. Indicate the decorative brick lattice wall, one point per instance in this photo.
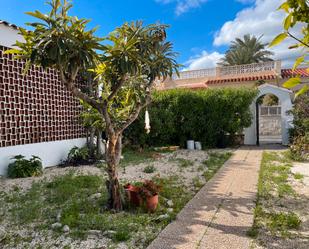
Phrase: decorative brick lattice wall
[36,107]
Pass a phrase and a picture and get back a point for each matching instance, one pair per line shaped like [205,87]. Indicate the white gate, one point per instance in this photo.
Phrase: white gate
[270,124]
[252,133]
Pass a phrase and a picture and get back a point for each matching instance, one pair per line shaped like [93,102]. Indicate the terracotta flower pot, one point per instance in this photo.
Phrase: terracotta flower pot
[152,202]
[133,195]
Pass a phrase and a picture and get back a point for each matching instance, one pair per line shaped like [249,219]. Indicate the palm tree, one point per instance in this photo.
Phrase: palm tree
[248,50]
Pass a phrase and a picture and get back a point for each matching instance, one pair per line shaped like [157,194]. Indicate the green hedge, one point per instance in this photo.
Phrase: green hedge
[300,133]
[204,115]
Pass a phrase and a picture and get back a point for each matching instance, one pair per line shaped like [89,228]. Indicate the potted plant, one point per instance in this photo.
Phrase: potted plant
[150,193]
[133,193]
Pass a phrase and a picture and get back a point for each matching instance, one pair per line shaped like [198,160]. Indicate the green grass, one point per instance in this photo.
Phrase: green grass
[197,182]
[182,163]
[214,162]
[298,176]
[71,195]
[135,157]
[283,221]
[149,169]
[273,186]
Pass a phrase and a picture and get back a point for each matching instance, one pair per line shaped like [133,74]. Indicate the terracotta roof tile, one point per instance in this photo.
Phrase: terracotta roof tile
[242,79]
[287,73]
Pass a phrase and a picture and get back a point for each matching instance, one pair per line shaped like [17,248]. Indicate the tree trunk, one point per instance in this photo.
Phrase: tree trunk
[113,154]
[91,140]
[100,145]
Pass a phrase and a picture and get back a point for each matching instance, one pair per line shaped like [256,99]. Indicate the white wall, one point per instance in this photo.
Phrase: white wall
[284,96]
[8,36]
[51,153]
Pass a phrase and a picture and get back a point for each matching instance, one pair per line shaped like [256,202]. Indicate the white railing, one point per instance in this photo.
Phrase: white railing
[256,68]
[192,74]
[248,69]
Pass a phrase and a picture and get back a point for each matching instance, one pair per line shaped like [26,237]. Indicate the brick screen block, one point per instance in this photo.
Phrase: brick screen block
[35,107]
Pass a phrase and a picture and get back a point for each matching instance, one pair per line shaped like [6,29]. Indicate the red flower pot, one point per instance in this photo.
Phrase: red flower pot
[133,195]
[152,202]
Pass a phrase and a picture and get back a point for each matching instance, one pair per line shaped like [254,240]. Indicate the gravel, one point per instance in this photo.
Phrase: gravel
[166,164]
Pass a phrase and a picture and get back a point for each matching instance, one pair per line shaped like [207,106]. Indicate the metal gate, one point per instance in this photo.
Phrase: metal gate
[270,130]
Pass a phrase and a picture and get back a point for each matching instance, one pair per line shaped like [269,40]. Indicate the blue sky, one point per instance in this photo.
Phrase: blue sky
[200,29]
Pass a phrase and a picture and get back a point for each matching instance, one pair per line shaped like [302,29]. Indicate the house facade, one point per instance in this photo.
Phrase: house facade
[249,75]
[270,124]
[38,116]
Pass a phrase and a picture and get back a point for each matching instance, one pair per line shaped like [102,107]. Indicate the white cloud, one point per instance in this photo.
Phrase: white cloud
[183,6]
[262,18]
[203,60]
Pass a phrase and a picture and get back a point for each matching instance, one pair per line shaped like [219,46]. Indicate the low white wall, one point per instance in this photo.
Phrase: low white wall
[51,153]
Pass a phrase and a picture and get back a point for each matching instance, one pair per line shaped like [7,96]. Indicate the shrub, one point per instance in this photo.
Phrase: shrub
[22,167]
[78,156]
[149,169]
[211,116]
[299,135]
[300,147]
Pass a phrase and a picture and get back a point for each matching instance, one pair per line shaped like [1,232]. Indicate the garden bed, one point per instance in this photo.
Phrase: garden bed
[282,211]
[65,207]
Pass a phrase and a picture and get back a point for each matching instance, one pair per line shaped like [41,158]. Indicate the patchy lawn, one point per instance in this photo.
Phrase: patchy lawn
[282,209]
[65,207]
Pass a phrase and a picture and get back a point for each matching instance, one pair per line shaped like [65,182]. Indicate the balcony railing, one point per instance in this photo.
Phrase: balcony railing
[192,74]
[248,69]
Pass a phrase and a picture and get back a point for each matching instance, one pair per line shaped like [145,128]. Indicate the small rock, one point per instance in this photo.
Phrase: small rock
[96,196]
[56,225]
[170,210]
[162,217]
[109,233]
[170,203]
[94,232]
[66,229]
[122,245]
[2,234]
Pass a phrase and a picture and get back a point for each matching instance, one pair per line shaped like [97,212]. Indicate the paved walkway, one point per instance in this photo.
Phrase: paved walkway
[221,213]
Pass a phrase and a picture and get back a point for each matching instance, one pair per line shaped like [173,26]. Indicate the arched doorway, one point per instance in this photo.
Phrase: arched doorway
[282,103]
[268,119]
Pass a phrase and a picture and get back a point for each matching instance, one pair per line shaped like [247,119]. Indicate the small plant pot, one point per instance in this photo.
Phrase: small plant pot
[198,145]
[152,203]
[133,195]
[190,144]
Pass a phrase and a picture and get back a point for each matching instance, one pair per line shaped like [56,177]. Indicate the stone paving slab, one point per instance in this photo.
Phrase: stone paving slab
[221,213]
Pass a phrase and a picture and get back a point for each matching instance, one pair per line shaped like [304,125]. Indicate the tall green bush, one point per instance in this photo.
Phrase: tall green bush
[205,115]
[300,133]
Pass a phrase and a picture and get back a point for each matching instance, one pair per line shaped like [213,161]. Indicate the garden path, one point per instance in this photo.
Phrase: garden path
[221,213]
